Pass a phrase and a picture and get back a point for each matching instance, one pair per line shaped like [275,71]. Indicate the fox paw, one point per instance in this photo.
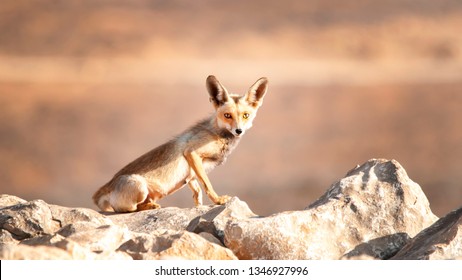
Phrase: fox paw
[222,199]
[147,206]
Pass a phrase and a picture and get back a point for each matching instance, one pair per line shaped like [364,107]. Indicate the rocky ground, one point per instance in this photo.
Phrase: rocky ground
[375,212]
[88,86]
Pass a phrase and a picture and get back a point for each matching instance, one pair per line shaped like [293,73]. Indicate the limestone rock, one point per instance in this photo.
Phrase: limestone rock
[174,245]
[192,246]
[78,232]
[45,240]
[211,219]
[79,226]
[379,248]
[101,239]
[10,200]
[82,252]
[82,246]
[210,238]
[7,238]
[143,246]
[26,220]
[214,221]
[68,216]
[22,219]
[25,252]
[172,218]
[442,240]
[369,208]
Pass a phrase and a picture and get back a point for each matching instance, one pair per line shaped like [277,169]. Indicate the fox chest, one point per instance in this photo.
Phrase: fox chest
[218,155]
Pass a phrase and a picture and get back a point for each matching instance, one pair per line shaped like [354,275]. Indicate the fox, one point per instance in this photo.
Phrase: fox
[188,157]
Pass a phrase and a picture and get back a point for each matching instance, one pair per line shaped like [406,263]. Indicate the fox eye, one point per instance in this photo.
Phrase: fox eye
[227,115]
[246,115]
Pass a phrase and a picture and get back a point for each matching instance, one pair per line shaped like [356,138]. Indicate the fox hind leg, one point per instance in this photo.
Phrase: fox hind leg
[148,204]
[129,191]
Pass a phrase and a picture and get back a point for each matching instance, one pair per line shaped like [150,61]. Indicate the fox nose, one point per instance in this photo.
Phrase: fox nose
[238,131]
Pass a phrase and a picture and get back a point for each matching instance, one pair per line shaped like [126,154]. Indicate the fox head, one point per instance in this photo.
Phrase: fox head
[235,113]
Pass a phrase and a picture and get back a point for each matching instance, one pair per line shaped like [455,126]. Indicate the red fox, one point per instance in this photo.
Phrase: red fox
[186,159]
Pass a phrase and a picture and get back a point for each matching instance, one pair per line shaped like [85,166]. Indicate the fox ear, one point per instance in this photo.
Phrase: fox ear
[256,92]
[218,93]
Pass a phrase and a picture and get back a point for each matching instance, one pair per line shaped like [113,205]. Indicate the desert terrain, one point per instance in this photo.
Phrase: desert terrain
[86,87]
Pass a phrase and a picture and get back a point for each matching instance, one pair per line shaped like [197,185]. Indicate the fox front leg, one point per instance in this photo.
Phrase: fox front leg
[195,162]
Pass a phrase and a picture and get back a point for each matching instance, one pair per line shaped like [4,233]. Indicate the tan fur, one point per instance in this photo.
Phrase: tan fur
[187,158]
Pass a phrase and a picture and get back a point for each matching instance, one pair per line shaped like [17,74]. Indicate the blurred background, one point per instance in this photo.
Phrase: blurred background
[88,86]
